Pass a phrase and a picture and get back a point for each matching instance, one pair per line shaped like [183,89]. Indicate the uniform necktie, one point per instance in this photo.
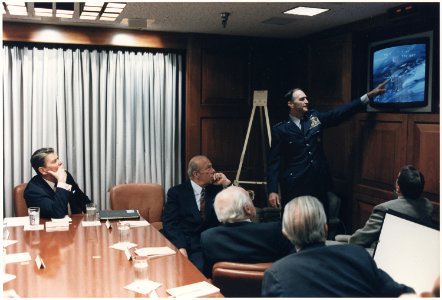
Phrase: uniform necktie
[202,203]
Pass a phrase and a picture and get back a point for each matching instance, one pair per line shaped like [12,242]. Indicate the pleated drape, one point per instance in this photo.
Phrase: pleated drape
[113,116]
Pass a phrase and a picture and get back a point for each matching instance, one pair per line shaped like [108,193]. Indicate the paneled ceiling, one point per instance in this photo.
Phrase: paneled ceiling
[258,19]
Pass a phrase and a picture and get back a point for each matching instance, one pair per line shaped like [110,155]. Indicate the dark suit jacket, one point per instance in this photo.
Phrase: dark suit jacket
[329,271]
[245,242]
[182,223]
[55,204]
[295,155]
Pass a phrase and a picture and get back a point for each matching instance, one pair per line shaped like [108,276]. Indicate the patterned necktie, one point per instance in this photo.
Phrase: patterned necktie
[202,203]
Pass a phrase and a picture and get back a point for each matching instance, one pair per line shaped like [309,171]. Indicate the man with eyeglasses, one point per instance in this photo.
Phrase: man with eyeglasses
[189,208]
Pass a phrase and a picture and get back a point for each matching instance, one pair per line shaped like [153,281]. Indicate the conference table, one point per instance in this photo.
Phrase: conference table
[80,263]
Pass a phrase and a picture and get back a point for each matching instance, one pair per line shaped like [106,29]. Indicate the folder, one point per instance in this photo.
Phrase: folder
[123,214]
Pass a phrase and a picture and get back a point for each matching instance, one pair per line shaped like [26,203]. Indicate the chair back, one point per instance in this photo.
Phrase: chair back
[239,279]
[20,207]
[148,198]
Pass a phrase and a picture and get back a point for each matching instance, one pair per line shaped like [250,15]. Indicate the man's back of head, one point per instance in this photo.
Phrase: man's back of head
[233,205]
[411,182]
[304,221]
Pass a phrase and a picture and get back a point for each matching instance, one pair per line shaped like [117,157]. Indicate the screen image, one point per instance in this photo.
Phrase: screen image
[404,66]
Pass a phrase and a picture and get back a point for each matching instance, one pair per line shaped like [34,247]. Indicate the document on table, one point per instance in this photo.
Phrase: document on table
[7,243]
[16,221]
[17,257]
[66,219]
[150,251]
[123,245]
[193,290]
[140,223]
[8,277]
[28,227]
[52,224]
[90,223]
[143,287]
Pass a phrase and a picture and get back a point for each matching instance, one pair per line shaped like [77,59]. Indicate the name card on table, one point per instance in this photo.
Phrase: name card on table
[39,262]
[127,253]
[108,224]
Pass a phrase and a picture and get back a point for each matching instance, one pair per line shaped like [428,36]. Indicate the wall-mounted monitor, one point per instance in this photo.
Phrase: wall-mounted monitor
[406,64]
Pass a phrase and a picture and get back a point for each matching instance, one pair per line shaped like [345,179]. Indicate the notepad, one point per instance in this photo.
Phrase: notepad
[150,251]
[193,290]
[119,214]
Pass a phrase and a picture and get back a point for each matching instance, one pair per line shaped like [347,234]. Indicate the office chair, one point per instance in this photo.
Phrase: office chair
[148,198]
[20,207]
[239,279]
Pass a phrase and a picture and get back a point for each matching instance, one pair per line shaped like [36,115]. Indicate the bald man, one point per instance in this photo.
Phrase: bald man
[189,208]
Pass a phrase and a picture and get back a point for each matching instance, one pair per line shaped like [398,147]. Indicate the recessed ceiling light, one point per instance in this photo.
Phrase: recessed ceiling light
[17,10]
[92,8]
[89,14]
[83,17]
[107,19]
[109,15]
[94,3]
[113,10]
[116,5]
[306,11]
[15,3]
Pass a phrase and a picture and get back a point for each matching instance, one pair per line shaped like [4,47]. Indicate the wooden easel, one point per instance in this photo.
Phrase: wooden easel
[260,102]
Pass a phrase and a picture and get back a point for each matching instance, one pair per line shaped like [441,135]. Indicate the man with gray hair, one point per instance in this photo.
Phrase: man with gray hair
[317,270]
[189,208]
[239,239]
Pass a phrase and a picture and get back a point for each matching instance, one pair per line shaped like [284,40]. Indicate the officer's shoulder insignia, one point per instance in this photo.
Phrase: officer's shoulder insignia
[314,121]
[278,124]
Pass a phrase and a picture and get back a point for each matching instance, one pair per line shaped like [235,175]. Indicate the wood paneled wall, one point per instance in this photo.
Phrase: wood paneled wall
[365,153]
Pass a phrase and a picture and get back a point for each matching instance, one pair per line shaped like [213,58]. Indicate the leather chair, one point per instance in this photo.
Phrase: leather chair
[20,207]
[148,198]
[239,279]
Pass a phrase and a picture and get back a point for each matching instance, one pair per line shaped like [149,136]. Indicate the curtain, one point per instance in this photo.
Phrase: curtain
[113,117]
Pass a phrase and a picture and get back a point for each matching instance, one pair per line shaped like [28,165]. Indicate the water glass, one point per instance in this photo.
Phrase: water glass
[34,215]
[141,264]
[91,211]
[124,232]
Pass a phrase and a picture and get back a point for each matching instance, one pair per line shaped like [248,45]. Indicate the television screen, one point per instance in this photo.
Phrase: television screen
[405,64]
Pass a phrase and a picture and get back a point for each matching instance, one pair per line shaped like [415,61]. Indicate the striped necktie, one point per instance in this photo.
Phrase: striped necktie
[202,203]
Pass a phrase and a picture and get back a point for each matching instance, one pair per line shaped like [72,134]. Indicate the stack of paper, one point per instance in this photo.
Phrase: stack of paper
[143,287]
[16,221]
[151,251]
[17,257]
[140,223]
[62,220]
[193,290]
[58,225]
[90,223]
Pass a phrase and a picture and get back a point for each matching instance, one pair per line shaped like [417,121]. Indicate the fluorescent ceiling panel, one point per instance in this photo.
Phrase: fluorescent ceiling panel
[306,11]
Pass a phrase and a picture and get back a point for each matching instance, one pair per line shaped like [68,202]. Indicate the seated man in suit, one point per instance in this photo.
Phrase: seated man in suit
[189,208]
[409,187]
[239,239]
[316,270]
[53,189]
